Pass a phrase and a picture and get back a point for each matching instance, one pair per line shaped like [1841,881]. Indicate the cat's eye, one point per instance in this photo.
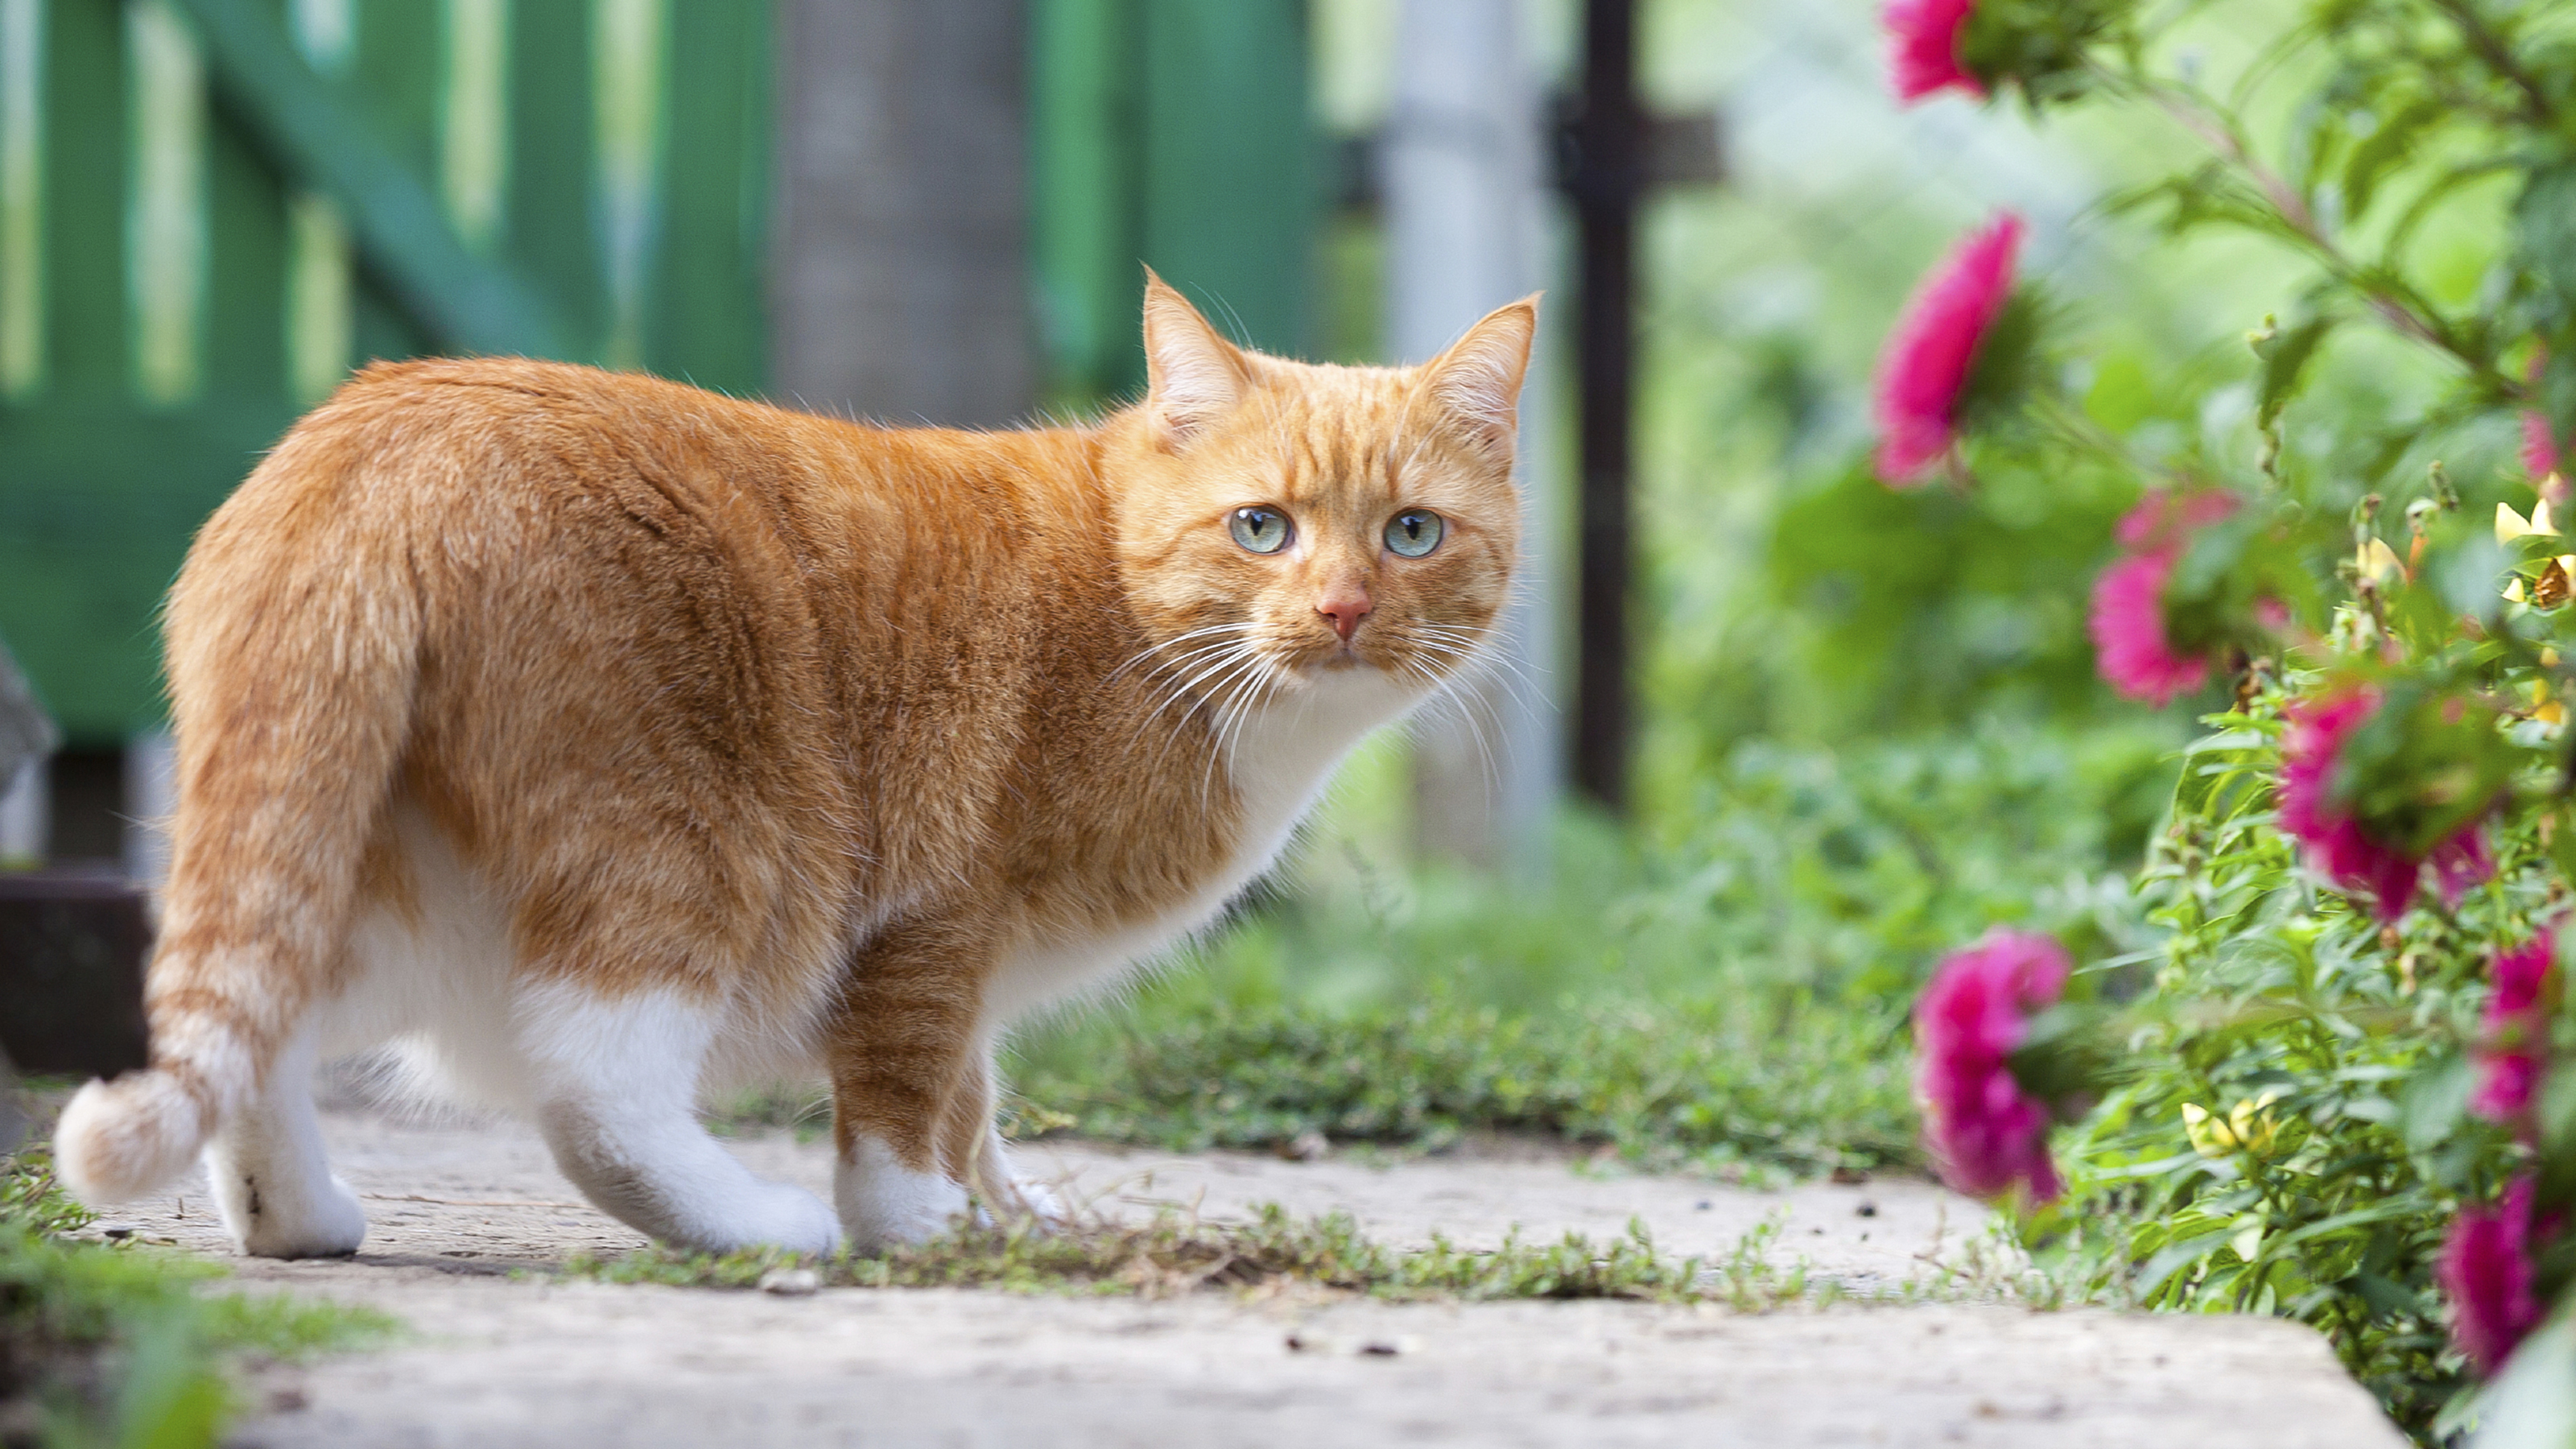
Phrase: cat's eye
[1415,532]
[1261,530]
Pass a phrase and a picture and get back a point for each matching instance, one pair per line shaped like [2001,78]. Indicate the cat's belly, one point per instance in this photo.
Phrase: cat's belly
[435,978]
[1279,763]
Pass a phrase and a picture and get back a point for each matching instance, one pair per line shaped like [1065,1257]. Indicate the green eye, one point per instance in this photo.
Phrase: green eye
[1414,532]
[1262,530]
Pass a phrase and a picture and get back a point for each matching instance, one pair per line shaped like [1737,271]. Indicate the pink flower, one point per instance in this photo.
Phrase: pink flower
[1934,348]
[2128,624]
[1984,1131]
[2539,449]
[2485,1270]
[2338,846]
[1923,47]
[2513,1055]
[2128,616]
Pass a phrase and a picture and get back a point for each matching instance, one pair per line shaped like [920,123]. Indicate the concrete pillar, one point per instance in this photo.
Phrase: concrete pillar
[900,284]
[1466,215]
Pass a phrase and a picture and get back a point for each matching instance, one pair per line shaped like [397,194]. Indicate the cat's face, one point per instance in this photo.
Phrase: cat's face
[1282,525]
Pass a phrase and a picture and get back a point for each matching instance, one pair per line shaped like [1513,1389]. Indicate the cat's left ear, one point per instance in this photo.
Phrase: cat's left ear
[1477,382]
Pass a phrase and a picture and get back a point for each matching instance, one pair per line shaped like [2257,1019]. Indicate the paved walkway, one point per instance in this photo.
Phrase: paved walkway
[498,1360]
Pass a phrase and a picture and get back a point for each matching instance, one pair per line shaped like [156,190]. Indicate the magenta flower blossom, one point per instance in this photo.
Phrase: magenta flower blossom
[1934,349]
[1923,47]
[2541,454]
[2485,1270]
[1984,1131]
[2512,1055]
[2127,620]
[2338,847]
[2128,626]
[2540,451]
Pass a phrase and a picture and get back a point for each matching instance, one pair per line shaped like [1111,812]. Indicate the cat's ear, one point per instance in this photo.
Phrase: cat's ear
[1192,376]
[1477,382]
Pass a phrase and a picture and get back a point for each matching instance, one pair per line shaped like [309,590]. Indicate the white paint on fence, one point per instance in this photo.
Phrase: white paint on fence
[22,197]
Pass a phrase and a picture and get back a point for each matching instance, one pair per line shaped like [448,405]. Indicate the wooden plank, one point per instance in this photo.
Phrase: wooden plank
[97,503]
[301,122]
[707,323]
[245,306]
[550,236]
[1086,180]
[85,160]
[1231,197]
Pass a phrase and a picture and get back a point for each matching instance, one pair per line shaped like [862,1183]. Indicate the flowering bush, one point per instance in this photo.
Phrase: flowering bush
[2322,1083]
[1949,341]
[1986,1133]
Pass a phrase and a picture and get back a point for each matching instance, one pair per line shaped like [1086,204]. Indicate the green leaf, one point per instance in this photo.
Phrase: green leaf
[2433,1104]
[2180,1256]
[2284,358]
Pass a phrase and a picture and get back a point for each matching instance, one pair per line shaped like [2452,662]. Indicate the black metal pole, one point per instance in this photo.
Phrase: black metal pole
[1609,176]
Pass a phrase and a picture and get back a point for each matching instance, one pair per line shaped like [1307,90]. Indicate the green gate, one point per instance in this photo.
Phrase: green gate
[211,210]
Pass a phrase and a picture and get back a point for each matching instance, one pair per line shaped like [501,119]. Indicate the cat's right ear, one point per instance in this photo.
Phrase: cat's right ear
[1192,376]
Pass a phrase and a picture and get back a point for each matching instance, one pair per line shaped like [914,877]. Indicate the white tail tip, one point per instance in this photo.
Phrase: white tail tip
[128,1138]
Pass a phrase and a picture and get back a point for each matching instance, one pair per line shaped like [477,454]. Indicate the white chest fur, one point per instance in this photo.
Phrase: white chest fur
[1279,758]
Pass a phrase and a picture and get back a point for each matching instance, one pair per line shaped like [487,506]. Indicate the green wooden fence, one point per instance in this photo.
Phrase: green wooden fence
[211,210]
[1178,132]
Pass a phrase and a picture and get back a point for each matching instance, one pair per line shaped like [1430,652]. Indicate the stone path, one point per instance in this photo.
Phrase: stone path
[501,1360]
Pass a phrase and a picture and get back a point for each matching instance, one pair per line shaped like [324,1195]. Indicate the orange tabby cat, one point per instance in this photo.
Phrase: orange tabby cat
[599,740]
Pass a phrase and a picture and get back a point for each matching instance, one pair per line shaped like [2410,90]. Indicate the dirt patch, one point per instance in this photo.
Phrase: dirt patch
[499,1359]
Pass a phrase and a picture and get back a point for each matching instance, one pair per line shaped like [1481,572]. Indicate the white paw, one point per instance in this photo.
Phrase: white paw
[1039,1201]
[884,1203]
[780,1216]
[324,1222]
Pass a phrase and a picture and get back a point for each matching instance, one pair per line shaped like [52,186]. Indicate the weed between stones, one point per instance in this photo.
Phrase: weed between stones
[1177,1254]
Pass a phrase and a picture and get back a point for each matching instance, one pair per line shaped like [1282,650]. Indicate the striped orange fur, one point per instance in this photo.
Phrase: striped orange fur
[598,739]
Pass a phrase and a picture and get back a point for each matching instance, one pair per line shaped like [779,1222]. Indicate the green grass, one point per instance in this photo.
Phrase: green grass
[1743,1086]
[118,1346]
[1175,1254]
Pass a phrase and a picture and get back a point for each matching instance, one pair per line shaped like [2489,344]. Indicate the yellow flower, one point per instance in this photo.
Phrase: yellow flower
[2511,525]
[2249,1127]
[2545,707]
[2378,562]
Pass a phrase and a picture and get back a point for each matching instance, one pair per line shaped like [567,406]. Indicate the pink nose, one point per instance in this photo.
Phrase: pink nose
[1343,609]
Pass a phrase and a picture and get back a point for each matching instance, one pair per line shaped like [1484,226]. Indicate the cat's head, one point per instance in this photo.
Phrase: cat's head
[1283,524]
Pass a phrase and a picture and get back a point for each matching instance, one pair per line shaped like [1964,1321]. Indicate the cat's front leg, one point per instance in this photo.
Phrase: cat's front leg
[911,1084]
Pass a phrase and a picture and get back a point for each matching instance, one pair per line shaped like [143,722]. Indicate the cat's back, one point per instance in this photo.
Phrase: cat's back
[510,471]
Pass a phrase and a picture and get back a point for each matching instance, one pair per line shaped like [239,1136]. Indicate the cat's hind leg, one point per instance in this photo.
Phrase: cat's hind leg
[616,1093]
[271,1178]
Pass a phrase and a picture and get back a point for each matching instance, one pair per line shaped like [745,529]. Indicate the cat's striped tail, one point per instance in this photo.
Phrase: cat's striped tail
[293,638]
